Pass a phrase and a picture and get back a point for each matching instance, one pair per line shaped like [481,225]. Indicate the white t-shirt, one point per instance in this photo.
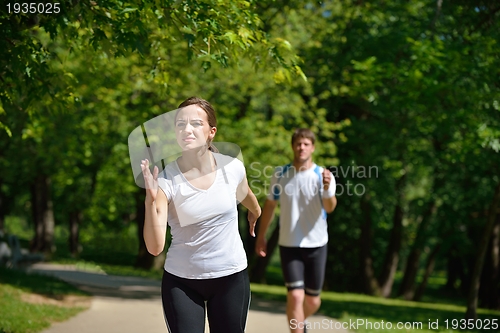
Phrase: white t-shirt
[206,242]
[302,217]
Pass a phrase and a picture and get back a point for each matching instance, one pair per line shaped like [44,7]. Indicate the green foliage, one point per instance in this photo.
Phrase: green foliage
[405,76]
[211,31]
[397,92]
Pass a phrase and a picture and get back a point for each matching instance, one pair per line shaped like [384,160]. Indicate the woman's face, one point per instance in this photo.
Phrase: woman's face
[192,129]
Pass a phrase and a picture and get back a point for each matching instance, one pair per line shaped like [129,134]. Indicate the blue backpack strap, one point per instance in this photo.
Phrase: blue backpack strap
[317,171]
[276,188]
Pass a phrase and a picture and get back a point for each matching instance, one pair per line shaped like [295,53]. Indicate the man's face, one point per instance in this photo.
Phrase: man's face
[303,149]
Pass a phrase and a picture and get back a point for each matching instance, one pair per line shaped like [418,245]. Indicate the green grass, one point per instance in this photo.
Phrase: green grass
[349,308]
[436,291]
[19,316]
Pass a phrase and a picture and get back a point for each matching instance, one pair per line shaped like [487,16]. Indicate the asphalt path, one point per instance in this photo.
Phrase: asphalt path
[125,304]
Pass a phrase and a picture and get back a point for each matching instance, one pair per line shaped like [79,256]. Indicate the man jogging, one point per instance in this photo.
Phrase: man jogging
[306,193]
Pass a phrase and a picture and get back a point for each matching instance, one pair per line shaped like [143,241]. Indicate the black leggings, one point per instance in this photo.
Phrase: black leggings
[226,298]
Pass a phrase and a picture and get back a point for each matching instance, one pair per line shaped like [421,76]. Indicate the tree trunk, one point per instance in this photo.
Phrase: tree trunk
[391,260]
[370,282]
[494,301]
[455,270]
[2,221]
[3,211]
[43,216]
[408,284]
[429,267]
[392,255]
[75,219]
[496,304]
[49,223]
[488,289]
[407,289]
[479,262]
[258,272]
[36,210]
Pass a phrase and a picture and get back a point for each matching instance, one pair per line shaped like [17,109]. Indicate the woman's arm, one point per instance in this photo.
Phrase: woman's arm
[155,222]
[248,199]
[245,195]
[265,221]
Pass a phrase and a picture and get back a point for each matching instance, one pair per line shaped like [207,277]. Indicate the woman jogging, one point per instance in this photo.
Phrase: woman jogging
[205,267]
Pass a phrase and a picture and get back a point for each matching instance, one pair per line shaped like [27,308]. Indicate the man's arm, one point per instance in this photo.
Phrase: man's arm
[330,204]
[265,221]
[329,199]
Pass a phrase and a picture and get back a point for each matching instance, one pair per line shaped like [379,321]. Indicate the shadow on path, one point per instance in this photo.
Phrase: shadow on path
[127,287]
[268,306]
[100,284]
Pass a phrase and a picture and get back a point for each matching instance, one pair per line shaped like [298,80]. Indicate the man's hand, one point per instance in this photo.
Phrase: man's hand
[261,247]
[327,178]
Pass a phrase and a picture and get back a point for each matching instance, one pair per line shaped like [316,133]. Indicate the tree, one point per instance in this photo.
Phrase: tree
[41,79]
[214,31]
[405,75]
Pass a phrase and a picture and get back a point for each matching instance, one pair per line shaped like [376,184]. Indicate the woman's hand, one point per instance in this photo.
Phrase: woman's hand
[150,180]
[252,221]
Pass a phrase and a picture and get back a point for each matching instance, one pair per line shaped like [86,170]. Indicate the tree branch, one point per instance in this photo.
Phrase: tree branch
[438,12]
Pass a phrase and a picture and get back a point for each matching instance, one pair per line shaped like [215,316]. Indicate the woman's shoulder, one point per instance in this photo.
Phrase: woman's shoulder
[227,161]
[170,171]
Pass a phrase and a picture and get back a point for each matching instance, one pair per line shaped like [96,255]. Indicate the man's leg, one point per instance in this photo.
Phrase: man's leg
[293,273]
[315,265]
[311,305]
[299,307]
[295,310]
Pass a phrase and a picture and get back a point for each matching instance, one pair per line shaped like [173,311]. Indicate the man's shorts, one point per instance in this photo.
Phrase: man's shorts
[304,268]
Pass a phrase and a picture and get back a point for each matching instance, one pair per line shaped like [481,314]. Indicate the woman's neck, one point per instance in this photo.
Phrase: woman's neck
[199,159]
